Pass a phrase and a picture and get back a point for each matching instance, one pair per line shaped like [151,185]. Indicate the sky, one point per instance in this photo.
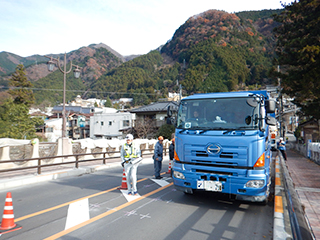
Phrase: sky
[29,27]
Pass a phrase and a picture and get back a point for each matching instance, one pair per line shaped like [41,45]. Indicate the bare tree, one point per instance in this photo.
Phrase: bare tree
[145,128]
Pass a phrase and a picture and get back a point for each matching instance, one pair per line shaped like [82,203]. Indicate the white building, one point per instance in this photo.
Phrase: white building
[110,125]
[53,129]
[87,102]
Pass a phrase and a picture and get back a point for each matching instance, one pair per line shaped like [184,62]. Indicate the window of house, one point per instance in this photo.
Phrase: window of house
[49,129]
[126,123]
[110,123]
[102,123]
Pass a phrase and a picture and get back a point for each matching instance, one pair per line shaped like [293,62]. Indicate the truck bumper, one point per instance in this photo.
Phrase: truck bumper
[231,185]
[252,198]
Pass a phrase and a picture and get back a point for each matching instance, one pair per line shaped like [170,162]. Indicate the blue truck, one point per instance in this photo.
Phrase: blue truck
[222,144]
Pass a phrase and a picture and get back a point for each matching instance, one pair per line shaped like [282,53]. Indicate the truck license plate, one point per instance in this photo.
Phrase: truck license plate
[214,186]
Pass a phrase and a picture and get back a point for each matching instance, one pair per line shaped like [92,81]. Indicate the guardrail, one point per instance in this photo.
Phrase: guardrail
[299,227]
[310,150]
[76,159]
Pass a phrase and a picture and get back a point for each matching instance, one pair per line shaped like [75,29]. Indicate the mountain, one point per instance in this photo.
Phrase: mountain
[223,51]
[211,52]
[9,61]
[95,60]
[223,28]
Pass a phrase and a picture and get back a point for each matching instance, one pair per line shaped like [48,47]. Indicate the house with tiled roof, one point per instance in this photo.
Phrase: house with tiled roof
[310,130]
[156,111]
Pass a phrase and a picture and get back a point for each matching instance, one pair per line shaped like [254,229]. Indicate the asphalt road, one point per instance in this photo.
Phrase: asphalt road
[92,207]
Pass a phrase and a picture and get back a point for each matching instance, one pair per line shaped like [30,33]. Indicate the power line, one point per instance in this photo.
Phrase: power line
[60,90]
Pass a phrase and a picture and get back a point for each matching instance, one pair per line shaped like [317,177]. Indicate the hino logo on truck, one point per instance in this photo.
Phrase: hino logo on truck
[213,149]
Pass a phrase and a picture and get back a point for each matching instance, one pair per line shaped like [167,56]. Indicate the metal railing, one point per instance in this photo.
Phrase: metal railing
[299,226]
[77,160]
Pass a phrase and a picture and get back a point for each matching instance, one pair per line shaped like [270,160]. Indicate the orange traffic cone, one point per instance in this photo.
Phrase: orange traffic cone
[169,169]
[124,185]
[7,224]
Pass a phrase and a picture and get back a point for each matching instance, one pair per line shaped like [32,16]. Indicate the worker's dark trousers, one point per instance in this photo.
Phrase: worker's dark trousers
[284,154]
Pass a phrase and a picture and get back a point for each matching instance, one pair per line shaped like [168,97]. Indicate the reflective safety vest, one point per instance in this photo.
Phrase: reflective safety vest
[130,151]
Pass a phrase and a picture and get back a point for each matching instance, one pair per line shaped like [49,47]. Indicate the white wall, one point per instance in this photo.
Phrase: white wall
[109,124]
[56,125]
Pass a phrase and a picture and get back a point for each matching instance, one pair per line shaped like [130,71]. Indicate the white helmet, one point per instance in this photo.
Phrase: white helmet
[129,137]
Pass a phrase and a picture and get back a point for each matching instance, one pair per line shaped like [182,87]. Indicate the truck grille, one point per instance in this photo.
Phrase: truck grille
[222,155]
[216,172]
[230,156]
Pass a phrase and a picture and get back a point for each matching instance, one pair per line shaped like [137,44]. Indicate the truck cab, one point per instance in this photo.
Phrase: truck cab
[222,144]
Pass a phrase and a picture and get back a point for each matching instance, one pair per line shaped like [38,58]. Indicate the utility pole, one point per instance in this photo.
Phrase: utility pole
[180,93]
[51,63]
[281,105]
[76,72]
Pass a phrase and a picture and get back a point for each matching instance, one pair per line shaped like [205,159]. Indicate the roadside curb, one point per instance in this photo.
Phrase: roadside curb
[31,179]
[279,222]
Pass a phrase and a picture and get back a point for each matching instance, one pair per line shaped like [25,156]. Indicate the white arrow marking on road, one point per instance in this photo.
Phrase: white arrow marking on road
[78,212]
[161,182]
[129,197]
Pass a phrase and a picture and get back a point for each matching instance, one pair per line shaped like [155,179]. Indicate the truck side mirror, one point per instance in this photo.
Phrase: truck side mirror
[270,106]
[271,121]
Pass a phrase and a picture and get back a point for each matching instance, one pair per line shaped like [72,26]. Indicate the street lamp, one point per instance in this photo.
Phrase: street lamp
[76,71]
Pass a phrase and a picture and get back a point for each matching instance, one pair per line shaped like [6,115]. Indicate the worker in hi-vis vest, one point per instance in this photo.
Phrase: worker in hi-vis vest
[131,157]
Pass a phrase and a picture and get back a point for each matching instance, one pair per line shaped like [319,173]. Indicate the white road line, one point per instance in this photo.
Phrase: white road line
[78,212]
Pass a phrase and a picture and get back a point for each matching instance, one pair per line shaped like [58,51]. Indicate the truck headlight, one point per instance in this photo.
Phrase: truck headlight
[178,175]
[255,184]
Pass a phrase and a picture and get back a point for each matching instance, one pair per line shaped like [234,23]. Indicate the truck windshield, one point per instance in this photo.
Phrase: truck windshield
[218,114]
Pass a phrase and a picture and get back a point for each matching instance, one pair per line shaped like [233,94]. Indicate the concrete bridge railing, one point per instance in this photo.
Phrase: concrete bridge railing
[14,149]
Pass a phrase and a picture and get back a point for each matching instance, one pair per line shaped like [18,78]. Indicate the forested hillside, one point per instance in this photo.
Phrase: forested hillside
[223,51]
[211,52]
[94,62]
[137,78]
[9,62]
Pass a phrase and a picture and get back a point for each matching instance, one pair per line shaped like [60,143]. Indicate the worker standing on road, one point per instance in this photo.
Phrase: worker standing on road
[157,157]
[282,148]
[171,153]
[131,157]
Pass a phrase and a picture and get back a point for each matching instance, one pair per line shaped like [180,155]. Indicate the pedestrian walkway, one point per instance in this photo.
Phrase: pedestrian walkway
[305,175]
[6,176]
[9,180]
[12,179]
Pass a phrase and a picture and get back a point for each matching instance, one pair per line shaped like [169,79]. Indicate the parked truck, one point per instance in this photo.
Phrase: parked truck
[222,144]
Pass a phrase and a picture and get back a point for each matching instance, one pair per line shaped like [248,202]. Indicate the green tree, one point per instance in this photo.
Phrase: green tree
[135,75]
[298,50]
[20,92]
[52,87]
[15,122]
[140,99]
[108,102]
[166,131]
